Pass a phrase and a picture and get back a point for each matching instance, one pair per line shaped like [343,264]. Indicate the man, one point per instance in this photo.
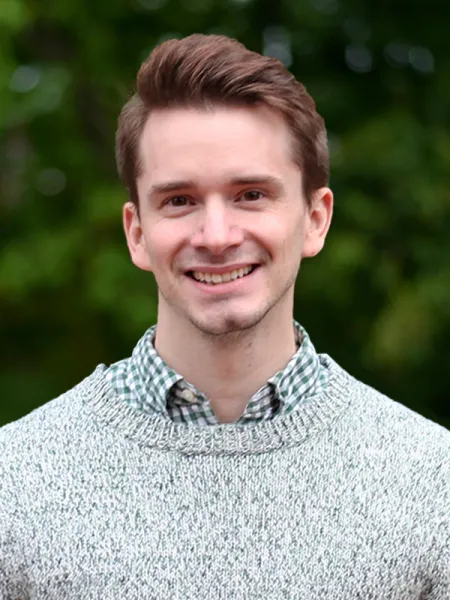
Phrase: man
[225,458]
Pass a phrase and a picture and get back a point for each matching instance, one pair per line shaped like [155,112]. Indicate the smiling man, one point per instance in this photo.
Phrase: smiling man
[222,220]
[225,458]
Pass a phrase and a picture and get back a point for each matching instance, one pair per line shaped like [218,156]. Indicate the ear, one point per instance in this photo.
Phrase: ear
[318,221]
[135,237]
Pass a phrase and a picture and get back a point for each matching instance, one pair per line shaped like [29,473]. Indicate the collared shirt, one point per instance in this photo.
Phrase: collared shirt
[147,383]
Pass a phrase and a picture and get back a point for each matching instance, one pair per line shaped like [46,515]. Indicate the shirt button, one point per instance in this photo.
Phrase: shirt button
[188,395]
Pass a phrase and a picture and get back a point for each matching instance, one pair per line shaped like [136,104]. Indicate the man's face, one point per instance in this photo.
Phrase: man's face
[223,222]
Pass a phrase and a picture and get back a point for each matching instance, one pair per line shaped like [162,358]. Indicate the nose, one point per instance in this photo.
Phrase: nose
[217,228]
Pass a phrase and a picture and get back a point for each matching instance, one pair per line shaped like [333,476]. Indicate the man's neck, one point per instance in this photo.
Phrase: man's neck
[228,369]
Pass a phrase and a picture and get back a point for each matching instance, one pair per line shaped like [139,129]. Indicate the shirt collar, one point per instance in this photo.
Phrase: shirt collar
[301,372]
[151,373]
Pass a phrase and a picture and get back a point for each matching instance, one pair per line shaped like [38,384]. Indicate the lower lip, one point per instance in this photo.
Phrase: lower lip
[226,287]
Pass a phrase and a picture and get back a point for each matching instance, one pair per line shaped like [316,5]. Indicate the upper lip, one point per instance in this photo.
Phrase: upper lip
[220,270]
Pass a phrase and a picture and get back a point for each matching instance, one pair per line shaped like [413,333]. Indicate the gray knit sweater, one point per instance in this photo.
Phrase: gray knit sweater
[346,498]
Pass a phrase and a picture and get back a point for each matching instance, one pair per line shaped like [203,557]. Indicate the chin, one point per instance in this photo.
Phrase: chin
[227,324]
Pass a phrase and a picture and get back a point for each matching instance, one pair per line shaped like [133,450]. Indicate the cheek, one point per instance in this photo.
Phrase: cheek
[164,242]
[281,236]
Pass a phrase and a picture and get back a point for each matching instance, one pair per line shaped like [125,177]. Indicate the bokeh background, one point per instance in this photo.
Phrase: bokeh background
[377,299]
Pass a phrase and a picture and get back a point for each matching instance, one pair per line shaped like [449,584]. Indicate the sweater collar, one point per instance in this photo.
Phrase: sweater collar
[309,418]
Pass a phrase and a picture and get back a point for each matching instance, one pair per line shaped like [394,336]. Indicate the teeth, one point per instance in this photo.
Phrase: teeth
[216,278]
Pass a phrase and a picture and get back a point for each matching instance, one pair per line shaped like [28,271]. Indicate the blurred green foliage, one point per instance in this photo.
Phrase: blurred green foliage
[377,299]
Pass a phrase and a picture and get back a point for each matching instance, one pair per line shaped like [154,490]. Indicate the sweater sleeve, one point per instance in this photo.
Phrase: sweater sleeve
[11,589]
[441,588]
[12,571]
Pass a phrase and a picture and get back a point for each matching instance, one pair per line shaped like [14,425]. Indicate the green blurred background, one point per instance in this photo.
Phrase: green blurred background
[377,299]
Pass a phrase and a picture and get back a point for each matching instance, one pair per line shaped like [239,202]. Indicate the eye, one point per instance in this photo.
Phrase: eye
[251,196]
[178,201]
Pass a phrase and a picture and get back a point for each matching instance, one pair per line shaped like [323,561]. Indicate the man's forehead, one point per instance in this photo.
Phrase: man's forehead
[213,129]
[232,150]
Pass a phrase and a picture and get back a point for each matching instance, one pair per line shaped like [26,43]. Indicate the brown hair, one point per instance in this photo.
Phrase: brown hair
[213,70]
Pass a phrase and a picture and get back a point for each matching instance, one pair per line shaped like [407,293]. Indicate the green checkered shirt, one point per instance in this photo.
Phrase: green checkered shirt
[148,384]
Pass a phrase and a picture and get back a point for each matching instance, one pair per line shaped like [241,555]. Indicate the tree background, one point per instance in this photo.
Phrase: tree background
[378,297]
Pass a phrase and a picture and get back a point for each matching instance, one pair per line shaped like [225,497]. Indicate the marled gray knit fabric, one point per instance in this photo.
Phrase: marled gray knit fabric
[346,498]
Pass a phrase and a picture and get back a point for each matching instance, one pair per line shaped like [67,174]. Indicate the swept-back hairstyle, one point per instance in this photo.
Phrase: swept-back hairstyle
[205,71]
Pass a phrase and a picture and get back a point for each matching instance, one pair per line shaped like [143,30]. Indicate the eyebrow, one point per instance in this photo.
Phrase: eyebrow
[182,184]
[267,180]
[170,186]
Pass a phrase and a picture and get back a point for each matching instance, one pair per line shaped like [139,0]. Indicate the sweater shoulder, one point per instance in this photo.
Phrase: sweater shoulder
[394,418]
[384,416]
[410,446]
[390,437]
[56,423]
[397,450]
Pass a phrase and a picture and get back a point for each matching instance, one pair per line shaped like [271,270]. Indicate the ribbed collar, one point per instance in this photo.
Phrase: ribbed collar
[311,416]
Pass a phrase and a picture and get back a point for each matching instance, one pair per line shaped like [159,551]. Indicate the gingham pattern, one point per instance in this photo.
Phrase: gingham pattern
[147,383]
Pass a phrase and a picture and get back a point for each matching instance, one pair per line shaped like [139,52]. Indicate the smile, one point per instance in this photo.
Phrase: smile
[218,278]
